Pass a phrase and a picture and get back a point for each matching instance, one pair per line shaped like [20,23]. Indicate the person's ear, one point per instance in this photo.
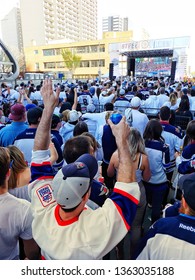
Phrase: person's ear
[87,195]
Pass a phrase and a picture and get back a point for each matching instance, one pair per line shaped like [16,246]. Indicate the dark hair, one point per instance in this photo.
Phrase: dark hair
[153,130]
[190,130]
[94,142]
[109,106]
[34,114]
[79,128]
[76,147]
[165,113]
[184,104]
[85,87]
[65,106]
[4,164]
[192,91]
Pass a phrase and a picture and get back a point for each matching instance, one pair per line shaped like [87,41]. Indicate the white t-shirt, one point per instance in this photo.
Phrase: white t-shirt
[15,221]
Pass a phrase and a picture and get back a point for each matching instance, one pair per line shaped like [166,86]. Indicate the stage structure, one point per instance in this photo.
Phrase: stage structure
[151,58]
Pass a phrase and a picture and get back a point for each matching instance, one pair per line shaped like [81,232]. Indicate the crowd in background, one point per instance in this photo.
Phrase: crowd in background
[161,149]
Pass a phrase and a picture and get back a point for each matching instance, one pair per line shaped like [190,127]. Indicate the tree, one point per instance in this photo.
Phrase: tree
[71,60]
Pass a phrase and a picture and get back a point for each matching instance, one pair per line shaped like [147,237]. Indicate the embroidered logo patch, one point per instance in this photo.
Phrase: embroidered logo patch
[44,194]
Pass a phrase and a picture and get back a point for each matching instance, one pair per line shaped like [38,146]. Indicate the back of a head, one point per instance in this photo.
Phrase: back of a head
[73,181]
[109,106]
[136,143]
[192,91]
[79,128]
[38,87]
[187,185]
[184,104]
[85,87]
[55,121]
[34,115]
[4,164]
[18,165]
[190,130]
[165,113]
[153,130]
[75,147]
[135,102]
[173,98]
[162,90]
[65,106]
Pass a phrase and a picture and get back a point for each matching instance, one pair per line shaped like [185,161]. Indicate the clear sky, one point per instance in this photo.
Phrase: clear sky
[165,18]
[162,19]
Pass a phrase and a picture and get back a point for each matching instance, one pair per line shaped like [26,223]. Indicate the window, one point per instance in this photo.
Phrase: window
[49,52]
[36,51]
[58,51]
[98,63]
[60,64]
[84,63]
[50,65]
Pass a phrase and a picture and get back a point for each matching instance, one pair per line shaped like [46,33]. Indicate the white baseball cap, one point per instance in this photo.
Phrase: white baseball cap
[73,116]
[135,102]
[73,180]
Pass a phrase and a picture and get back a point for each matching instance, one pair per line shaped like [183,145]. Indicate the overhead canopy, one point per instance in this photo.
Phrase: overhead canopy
[148,53]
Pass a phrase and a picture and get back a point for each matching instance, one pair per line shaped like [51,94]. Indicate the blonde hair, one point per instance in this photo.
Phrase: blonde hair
[173,98]
[65,115]
[136,143]
[18,165]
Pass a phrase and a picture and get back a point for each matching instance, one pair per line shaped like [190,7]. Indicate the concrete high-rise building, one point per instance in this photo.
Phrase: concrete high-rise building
[114,23]
[11,30]
[44,21]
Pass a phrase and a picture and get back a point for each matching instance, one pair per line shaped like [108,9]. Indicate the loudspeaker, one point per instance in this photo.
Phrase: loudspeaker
[173,70]
[111,71]
[130,66]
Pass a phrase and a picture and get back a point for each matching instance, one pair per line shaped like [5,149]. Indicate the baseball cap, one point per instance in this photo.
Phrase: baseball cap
[135,102]
[92,90]
[34,114]
[73,180]
[187,184]
[73,116]
[17,112]
[30,105]
[91,108]
[122,91]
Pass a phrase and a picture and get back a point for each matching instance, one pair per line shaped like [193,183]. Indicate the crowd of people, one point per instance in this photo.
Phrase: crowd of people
[82,162]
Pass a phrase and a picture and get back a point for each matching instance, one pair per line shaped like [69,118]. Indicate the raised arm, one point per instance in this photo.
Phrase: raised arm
[74,106]
[50,100]
[126,169]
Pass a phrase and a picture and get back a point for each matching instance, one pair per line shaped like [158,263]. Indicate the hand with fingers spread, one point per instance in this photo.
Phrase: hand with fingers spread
[50,98]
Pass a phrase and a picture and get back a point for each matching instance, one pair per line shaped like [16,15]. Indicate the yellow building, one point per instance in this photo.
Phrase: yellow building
[95,57]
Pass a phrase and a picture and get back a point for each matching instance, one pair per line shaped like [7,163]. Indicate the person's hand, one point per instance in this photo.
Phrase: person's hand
[177,154]
[50,98]
[121,130]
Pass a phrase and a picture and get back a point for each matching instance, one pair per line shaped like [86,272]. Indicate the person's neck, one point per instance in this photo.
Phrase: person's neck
[3,189]
[65,216]
[33,125]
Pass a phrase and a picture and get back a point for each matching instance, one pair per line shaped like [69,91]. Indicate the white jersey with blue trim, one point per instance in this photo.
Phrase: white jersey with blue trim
[169,239]
[93,233]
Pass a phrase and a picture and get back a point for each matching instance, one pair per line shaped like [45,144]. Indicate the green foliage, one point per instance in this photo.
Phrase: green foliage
[71,60]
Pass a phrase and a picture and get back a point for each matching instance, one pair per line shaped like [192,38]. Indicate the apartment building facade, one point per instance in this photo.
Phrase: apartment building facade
[44,21]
